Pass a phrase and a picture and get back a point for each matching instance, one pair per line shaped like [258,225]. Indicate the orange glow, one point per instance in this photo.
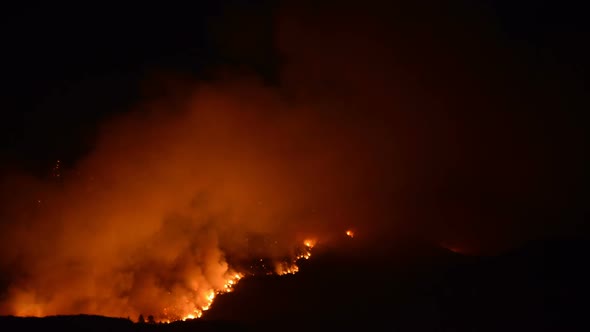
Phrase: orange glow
[149,221]
[309,243]
[174,198]
[283,269]
[174,192]
[452,248]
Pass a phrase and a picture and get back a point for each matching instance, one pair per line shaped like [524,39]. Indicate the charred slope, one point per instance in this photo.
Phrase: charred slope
[65,323]
[542,286]
[101,324]
[339,290]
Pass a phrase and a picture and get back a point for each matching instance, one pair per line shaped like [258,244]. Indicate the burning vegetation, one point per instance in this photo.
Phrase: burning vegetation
[172,209]
[260,266]
[182,196]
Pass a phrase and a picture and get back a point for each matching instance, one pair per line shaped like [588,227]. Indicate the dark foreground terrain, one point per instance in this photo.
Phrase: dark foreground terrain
[540,287]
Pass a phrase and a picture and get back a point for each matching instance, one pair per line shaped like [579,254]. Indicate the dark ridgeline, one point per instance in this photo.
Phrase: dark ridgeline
[65,323]
[50,74]
[541,286]
[101,324]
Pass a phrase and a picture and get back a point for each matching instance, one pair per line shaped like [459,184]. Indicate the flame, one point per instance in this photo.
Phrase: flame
[192,302]
[350,233]
[281,268]
[292,267]
[309,243]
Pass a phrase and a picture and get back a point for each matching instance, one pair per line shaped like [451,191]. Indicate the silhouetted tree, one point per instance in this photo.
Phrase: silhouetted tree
[151,320]
[141,319]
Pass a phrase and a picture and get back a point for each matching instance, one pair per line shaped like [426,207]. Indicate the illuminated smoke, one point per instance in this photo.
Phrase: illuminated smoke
[174,205]
[183,196]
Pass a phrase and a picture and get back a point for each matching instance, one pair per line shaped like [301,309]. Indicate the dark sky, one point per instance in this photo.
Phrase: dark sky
[56,57]
[66,68]
[462,123]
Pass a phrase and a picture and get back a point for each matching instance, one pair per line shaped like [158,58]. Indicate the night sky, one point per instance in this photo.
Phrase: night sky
[461,124]
[67,68]
[55,58]
[58,58]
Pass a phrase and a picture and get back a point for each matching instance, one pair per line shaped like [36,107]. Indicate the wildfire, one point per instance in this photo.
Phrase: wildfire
[285,268]
[194,302]
[191,316]
[291,267]
[194,311]
[281,268]
[305,255]
[309,243]
[350,233]
[229,284]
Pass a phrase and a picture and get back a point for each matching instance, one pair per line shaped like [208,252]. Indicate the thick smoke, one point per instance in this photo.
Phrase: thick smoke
[170,190]
[361,133]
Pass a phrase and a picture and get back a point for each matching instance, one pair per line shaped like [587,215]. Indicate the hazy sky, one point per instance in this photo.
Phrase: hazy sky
[179,135]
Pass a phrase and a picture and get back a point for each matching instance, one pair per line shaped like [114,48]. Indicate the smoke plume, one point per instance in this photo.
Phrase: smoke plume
[375,125]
